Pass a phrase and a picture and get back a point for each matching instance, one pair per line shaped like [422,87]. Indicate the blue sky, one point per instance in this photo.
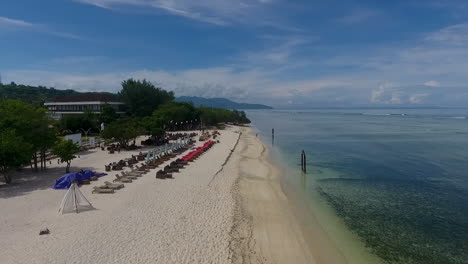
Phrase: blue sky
[277,52]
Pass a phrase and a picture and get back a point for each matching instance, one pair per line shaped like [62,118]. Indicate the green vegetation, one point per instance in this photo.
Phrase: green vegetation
[141,97]
[30,94]
[123,131]
[33,95]
[31,125]
[214,116]
[27,133]
[65,150]
[108,114]
[154,111]
[14,152]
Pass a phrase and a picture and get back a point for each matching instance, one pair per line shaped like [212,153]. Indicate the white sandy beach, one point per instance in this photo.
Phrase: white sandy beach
[211,212]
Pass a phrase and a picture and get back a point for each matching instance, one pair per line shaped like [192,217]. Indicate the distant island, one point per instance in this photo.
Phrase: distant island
[220,103]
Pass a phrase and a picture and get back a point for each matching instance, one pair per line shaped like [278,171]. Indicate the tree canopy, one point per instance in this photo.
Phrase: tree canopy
[214,116]
[29,123]
[30,94]
[123,131]
[65,150]
[142,97]
[14,152]
[108,114]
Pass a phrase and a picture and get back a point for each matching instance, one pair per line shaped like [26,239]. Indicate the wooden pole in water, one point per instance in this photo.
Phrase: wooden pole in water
[272,136]
[303,161]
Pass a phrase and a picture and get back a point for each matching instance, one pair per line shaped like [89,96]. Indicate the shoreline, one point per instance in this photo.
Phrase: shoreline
[228,206]
[266,226]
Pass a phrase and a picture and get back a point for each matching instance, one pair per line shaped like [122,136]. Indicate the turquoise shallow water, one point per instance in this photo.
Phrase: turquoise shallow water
[398,179]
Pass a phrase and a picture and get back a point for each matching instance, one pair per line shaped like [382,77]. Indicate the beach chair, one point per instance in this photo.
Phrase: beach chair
[132,177]
[131,174]
[175,164]
[101,190]
[123,179]
[137,168]
[163,175]
[115,186]
[169,169]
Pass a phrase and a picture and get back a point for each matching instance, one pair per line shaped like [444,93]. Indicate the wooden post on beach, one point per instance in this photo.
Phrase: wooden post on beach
[303,161]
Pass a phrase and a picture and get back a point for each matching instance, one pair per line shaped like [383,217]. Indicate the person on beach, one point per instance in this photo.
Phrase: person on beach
[118,148]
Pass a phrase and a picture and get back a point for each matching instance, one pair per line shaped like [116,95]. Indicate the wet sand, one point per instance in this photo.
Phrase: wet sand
[267,228]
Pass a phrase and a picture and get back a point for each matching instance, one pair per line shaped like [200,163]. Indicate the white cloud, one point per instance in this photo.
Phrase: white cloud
[432,84]
[441,55]
[452,35]
[212,82]
[402,75]
[281,53]
[10,24]
[394,94]
[259,13]
[418,98]
[247,86]
[385,94]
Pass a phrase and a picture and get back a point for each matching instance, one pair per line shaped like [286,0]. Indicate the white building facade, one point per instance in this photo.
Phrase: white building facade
[79,104]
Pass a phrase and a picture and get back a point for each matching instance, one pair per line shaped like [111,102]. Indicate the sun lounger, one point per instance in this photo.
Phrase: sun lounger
[115,186]
[101,190]
[131,174]
[132,177]
[122,179]
[170,169]
[137,168]
[163,175]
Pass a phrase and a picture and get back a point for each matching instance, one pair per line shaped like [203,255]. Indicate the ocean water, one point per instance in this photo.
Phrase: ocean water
[396,179]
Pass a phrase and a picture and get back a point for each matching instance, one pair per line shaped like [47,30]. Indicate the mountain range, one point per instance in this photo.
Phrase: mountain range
[220,103]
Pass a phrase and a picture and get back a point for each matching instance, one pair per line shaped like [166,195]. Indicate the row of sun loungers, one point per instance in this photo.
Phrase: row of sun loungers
[197,152]
[138,171]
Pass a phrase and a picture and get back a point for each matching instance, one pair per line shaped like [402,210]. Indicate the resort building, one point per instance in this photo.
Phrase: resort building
[80,103]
